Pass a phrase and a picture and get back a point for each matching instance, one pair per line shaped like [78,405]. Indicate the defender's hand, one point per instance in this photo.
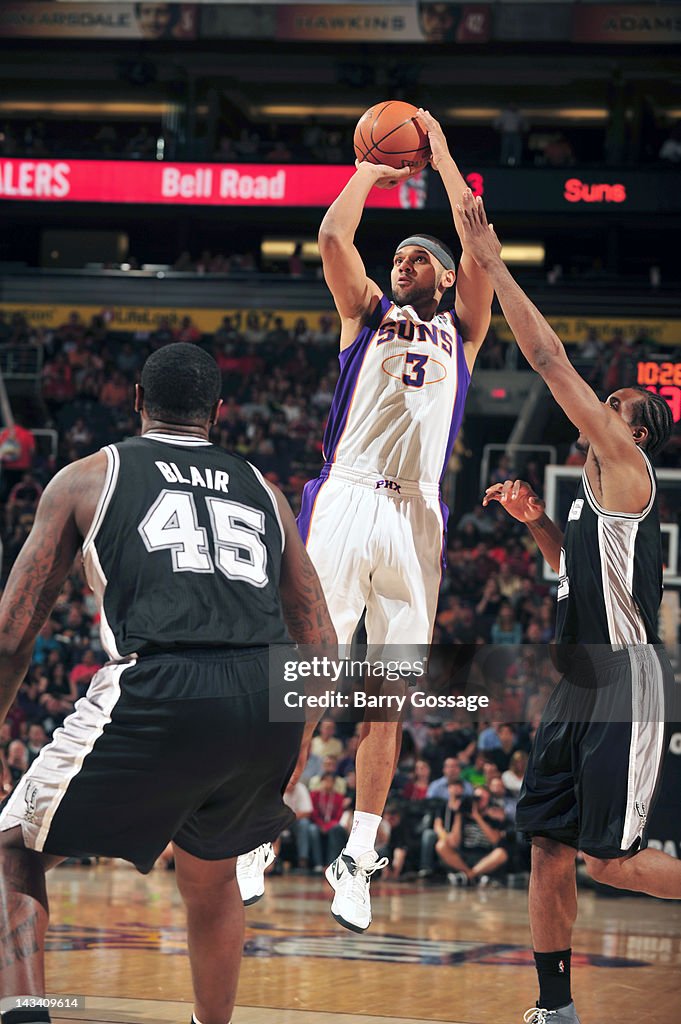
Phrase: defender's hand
[383,175]
[478,237]
[439,150]
[518,498]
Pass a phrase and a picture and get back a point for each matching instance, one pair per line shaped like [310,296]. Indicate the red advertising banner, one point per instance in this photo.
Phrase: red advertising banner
[132,181]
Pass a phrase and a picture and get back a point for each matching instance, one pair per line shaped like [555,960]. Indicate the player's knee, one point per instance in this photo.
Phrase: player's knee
[551,857]
[605,871]
[599,870]
[206,881]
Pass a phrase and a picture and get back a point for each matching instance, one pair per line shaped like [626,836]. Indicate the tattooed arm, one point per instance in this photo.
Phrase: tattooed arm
[302,597]
[305,612]
[62,518]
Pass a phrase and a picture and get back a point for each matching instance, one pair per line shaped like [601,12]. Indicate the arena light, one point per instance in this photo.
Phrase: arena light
[282,248]
[300,110]
[530,254]
[91,108]
[597,114]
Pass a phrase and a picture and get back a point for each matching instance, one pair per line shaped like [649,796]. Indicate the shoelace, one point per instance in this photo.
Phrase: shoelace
[358,886]
[537,1015]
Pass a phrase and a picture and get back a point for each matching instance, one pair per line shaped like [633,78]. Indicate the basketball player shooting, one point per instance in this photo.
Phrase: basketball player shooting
[591,780]
[197,566]
[373,521]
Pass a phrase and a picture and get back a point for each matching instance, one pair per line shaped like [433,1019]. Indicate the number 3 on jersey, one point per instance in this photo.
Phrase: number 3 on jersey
[414,369]
[172,524]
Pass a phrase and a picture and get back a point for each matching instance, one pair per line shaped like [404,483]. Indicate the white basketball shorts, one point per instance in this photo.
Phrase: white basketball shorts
[376,543]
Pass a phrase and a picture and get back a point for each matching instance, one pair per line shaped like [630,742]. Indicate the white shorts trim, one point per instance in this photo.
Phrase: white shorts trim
[37,797]
[647,740]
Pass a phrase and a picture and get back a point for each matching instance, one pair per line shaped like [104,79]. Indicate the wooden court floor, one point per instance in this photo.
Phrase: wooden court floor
[432,954]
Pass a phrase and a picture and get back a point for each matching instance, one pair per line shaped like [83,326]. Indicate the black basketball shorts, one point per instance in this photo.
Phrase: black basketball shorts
[596,762]
[176,746]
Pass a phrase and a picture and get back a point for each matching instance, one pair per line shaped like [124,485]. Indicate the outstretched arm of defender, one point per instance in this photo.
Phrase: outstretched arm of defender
[543,349]
[36,580]
[474,291]
[523,504]
[344,272]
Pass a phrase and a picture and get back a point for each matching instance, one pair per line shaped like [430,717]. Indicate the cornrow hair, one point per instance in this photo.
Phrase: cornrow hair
[653,413]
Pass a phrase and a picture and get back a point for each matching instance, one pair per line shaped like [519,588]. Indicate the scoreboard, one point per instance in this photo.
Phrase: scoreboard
[664,378]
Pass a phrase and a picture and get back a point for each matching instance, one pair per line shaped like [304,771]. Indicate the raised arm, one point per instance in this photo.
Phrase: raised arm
[354,294]
[37,578]
[624,473]
[474,291]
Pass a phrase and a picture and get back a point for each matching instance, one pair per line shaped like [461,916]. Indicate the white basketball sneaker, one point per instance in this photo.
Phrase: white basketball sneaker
[565,1015]
[350,879]
[250,872]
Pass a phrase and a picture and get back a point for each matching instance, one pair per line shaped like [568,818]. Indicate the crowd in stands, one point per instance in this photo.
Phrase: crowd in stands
[451,809]
[509,139]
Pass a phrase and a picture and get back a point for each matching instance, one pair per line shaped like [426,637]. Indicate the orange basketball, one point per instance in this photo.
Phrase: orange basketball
[389,134]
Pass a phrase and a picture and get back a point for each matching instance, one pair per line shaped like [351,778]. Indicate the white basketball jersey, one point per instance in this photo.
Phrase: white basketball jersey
[399,401]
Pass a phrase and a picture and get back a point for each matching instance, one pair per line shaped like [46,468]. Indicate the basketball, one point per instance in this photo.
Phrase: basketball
[388,133]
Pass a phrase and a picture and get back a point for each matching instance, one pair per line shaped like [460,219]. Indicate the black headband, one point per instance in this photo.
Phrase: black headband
[433,247]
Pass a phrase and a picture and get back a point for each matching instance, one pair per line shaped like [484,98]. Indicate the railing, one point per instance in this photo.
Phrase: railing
[511,449]
[47,441]
[21,362]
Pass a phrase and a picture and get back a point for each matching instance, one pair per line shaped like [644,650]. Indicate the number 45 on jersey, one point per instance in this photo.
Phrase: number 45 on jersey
[237,550]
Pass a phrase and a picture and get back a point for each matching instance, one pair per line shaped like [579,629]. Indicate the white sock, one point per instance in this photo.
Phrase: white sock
[363,833]
[196,1020]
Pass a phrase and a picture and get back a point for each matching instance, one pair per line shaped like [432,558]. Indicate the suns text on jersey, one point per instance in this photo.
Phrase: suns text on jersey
[405,330]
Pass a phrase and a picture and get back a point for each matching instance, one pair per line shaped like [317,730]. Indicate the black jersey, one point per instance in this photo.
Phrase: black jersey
[184,549]
[610,573]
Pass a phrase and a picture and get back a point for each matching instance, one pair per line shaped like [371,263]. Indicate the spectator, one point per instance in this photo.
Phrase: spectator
[433,750]
[329,767]
[513,777]
[36,739]
[417,787]
[442,824]
[558,151]
[17,451]
[188,331]
[295,261]
[396,846]
[501,755]
[23,498]
[477,828]
[451,772]
[506,630]
[298,798]
[326,743]
[511,124]
[116,392]
[347,761]
[670,152]
[17,761]
[81,674]
[327,836]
